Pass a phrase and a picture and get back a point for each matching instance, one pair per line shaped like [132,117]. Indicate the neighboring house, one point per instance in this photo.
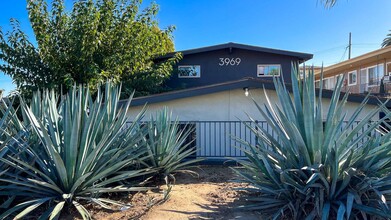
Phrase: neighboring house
[306,69]
[363,74]
[213,99]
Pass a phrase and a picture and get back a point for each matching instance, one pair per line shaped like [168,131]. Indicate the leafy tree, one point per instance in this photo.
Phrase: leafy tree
[93,42]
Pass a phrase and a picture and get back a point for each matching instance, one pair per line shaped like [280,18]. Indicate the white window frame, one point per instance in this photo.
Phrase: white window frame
[198,76]
[352,72]
[262,75]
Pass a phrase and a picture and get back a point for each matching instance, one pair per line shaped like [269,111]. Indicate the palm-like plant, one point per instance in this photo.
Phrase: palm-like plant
[318,167]
[387,41]
[82,153]
[328,3]
[167,146]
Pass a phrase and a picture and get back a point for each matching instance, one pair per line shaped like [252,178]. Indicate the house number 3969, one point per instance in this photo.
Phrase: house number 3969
[229,61]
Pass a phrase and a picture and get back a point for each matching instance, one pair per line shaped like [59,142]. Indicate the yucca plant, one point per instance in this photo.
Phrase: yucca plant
[321,166]
[83,152]
[167,147]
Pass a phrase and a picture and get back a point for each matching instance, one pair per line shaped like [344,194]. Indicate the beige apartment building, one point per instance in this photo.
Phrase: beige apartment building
[370,72]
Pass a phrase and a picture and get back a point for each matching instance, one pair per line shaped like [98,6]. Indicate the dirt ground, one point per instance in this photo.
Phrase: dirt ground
[211,195]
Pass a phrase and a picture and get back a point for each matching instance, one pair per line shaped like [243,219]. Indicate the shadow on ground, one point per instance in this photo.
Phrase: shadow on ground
[210,195]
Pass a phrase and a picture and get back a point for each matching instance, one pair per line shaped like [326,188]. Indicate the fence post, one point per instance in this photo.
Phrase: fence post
[256,136]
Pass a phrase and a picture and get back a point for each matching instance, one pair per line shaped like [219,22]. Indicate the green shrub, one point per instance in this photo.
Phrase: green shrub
[166,143]
[315,168]
[82,152]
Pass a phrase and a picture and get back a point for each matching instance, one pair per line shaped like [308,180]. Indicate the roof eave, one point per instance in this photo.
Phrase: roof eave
[251,83]
[302,57]
[362,60]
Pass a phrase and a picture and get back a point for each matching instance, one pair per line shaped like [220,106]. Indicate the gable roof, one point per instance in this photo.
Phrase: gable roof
[301,56]
[251,83]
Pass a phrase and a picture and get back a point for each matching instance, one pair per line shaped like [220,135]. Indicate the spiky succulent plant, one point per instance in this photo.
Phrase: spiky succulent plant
[82,152]
[322,164]
[168,145]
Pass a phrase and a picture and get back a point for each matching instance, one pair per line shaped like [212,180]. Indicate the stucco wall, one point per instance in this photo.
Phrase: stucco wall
[226,106]
[222,111]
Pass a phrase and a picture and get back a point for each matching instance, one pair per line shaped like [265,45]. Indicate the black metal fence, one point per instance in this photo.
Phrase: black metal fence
[217,139]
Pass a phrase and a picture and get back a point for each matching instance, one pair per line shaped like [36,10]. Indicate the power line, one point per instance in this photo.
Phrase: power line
[343,55]
[330,49]
[366,44]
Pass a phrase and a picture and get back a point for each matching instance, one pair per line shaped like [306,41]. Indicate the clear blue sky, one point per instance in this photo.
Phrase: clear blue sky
[297,25]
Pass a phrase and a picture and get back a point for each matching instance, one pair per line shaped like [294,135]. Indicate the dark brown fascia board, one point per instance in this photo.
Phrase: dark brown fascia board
[302,56]
[250,83]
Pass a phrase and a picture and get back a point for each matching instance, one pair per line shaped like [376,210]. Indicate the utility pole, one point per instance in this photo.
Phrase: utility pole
[350,45]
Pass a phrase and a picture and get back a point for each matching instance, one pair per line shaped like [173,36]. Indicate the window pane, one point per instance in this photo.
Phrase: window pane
[363,76]
[261,70]
[274,70]
[268,70]
[352,78]
[328,83]
[363,80]
[331,83]
[189,71]
[372,79]
[380,71]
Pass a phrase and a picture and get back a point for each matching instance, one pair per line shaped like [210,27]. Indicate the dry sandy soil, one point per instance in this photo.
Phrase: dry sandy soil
[211,195]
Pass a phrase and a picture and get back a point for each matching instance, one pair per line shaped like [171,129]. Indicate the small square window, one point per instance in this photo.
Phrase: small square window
[268,70]
[352,78]
[189,71]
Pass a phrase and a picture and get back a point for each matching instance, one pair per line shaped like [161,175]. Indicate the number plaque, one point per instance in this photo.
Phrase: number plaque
[225,61]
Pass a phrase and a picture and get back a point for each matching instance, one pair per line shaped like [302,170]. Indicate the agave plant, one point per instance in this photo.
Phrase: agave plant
[318,167]
[166,143]
[13,131]
[82,153]
[12,135]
